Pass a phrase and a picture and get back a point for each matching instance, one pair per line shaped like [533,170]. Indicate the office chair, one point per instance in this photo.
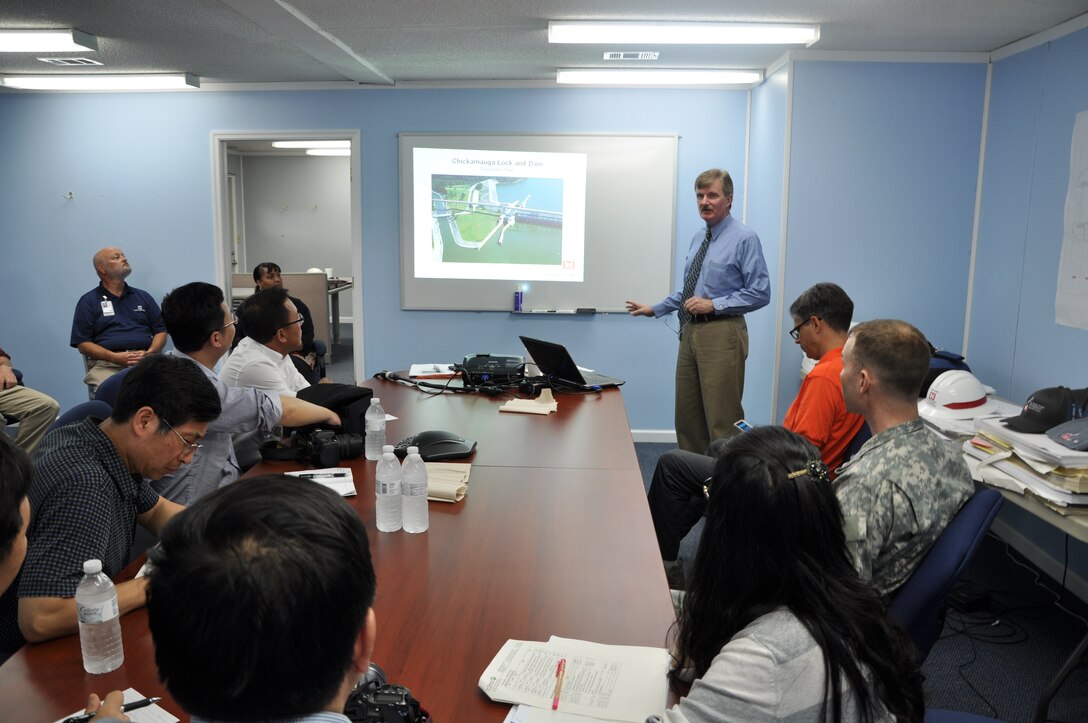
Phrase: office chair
[919,605]
[88,362]
[319,368]
[936,715]
[864,435]
[78,413]
[109,389]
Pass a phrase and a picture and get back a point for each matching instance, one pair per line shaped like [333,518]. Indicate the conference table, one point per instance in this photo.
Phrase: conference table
[553,538]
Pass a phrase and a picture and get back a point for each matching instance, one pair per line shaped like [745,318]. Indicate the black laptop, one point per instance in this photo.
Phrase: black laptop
[556,364]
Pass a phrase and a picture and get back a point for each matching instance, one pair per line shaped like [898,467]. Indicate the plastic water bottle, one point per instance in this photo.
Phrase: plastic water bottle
[99,620]
[414,486]
[387,486]
[375,429]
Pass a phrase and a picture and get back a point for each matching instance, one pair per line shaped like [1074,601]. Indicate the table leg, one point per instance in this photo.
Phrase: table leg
[335,318]
[1048,694]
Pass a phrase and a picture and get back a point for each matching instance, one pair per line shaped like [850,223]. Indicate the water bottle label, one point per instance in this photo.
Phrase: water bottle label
[100,613]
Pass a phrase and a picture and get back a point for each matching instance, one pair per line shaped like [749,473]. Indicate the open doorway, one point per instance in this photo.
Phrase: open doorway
[302,212]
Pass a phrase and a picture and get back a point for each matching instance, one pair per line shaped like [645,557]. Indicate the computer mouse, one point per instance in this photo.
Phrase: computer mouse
[437,445]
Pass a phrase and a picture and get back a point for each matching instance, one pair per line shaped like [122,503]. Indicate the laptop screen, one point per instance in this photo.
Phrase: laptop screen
[553,360]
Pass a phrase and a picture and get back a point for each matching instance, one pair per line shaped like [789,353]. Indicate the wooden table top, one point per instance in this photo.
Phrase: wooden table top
[560,544]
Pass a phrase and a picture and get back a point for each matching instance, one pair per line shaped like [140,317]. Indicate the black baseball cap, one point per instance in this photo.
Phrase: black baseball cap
[1047,408]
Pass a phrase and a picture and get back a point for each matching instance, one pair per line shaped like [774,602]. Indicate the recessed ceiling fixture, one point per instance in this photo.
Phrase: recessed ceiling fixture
[660,76]
[311,144]
[70,62]
[153,81]
[631,55]
[682,33]
[328,152]
[46,41]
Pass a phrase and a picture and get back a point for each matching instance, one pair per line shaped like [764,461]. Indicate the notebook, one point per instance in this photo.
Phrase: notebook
[556,364]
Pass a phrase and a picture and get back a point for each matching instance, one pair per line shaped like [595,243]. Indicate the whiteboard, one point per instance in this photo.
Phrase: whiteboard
[629,224]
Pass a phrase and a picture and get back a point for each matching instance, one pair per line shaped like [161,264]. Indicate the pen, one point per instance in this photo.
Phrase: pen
[134,705]
[316,475]
[560,670]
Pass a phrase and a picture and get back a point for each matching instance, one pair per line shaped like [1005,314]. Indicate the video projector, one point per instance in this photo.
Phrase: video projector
[499,369]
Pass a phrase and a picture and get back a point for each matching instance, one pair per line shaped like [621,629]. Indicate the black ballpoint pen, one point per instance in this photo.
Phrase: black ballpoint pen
[134,705]
[320,475]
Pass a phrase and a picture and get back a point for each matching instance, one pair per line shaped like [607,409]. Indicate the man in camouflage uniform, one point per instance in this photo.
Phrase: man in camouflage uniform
[902,488]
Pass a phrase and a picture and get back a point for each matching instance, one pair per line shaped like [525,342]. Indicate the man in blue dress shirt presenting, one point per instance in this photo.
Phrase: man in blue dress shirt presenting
[725,277]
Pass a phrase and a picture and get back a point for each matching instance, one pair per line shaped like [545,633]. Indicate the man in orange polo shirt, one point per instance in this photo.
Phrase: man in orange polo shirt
[821,318]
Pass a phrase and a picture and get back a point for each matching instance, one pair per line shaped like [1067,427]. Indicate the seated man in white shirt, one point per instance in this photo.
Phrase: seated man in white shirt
[263,359]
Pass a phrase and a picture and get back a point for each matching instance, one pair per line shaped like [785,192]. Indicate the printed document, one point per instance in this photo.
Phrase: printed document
[613,682]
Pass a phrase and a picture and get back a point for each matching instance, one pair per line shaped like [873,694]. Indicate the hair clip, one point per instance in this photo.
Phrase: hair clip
[815,469]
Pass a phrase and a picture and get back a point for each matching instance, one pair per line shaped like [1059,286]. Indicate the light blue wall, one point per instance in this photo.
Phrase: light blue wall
[766,162]
[140,168]
[1015,345]
[883,172]
[1036,96]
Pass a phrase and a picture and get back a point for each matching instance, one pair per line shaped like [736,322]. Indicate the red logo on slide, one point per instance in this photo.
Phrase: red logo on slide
[568,265]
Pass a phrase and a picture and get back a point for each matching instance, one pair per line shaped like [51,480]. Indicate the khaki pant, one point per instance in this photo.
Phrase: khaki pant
[710,381]
[98,372]
[34,410]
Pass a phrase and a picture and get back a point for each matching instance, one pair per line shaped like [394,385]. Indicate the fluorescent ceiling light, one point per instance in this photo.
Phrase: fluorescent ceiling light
[311,144]
[682,33]
[328,152]
[156,81]
[635,76]
[46,41]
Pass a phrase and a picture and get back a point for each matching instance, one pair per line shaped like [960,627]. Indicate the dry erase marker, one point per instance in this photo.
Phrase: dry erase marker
[560,670]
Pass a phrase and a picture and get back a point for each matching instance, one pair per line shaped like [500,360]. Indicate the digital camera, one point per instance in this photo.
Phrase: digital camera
[374,701]
[325,448]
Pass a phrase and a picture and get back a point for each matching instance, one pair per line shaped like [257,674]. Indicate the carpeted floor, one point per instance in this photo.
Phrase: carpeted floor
[997,661]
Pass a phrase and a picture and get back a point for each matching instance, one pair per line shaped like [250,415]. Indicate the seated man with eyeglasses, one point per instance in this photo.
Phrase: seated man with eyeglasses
[821,317]
[273,332]
[202,329]
[91,486]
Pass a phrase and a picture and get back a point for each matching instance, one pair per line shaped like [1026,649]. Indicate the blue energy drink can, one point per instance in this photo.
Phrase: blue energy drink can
[519,296]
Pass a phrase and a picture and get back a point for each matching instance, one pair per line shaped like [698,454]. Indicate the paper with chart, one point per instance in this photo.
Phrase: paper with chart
[1071,305]
[614,682]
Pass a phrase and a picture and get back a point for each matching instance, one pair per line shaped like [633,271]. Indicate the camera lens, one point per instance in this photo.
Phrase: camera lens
[350,445]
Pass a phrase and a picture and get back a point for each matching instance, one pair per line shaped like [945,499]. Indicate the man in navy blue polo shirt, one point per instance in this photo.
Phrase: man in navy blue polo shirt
[115,324]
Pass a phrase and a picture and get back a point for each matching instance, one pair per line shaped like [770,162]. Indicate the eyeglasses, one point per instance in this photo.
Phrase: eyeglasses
[795,332]
[299,320]
[232,322]
[186,446]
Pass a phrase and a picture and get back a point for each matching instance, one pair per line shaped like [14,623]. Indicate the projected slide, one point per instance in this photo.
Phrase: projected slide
[504,215]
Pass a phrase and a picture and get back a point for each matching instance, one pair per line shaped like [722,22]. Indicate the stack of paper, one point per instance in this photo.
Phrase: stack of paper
[447,481]
[544,404]
[602,682]
[1033,446]
[1002,468]
[432,371]
[150,714]
[337,479]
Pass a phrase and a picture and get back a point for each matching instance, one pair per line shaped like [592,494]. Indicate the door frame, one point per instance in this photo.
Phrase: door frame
[221,217]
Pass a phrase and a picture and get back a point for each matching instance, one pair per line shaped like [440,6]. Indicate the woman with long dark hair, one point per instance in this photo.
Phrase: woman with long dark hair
[776,624]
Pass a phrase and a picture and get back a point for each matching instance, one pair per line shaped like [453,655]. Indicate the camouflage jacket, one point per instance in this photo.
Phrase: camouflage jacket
[897,495]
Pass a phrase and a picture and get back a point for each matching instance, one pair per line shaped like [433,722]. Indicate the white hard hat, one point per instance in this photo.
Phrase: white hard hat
[956,394]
